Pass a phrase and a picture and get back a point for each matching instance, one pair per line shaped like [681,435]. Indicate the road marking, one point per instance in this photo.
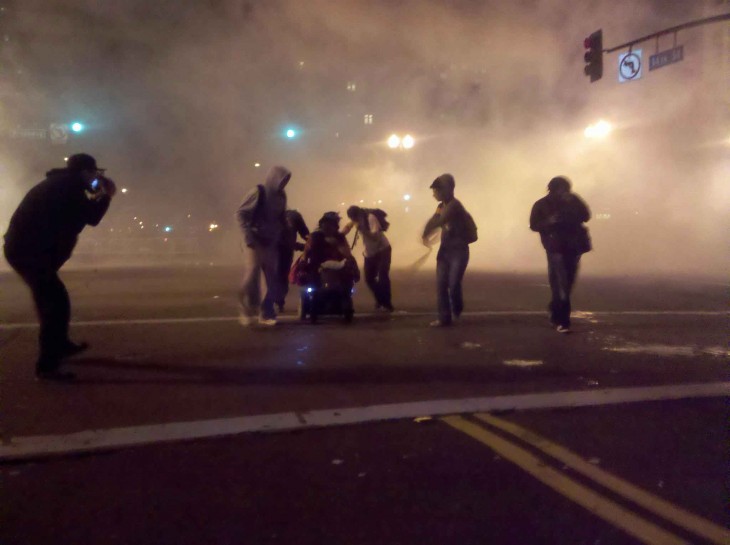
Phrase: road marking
[405,314]
[655,504]
[25,447]
[600,506]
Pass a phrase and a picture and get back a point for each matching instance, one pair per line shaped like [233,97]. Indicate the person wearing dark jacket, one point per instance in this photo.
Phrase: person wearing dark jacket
[559,218]
[294,225]
[261,218]
[453,255]
[41,237]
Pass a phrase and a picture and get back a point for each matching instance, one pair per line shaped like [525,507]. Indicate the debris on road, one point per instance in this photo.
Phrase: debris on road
[523,363]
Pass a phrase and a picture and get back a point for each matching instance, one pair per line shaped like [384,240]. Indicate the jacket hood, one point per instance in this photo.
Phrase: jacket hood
[446,183]
[277,178]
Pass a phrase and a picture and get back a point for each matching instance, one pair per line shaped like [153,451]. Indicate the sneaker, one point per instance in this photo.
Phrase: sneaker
[268,322]
[55,375]
[439,323]
[245,320]
[562,329]
[71,349]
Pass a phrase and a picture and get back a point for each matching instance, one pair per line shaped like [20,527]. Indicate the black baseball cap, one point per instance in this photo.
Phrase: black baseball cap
[82,161]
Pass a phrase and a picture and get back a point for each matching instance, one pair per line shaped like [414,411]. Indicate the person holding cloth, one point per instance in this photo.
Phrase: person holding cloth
[41,237]
[378,252]
[458,230]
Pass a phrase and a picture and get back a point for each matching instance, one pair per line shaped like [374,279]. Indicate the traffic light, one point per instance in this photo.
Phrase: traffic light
[594,55]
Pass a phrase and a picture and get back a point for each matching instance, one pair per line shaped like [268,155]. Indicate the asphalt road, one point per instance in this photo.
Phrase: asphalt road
[166,349]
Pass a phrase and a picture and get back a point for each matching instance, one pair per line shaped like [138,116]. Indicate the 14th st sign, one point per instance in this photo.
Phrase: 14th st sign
[663,58]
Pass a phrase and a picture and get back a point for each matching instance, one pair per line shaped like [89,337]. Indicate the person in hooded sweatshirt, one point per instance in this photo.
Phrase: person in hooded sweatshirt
[457,232]
[262,220]
[41,237]
[559,218]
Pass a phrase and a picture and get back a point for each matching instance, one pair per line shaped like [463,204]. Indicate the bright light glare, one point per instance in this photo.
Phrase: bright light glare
[406,197]
[291,133]
[598,130]
[213,226]
[408,141]
[168,229]
[124,190]
[77,127]
[393,141]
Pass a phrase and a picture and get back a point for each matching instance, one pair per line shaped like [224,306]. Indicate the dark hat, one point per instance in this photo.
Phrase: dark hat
[82,161]
[329,217]
[445,181]
[559,182]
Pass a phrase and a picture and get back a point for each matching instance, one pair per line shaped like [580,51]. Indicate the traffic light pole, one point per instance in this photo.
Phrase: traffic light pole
[691,24]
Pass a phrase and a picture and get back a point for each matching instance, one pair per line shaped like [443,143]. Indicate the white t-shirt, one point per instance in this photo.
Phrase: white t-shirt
[377,241]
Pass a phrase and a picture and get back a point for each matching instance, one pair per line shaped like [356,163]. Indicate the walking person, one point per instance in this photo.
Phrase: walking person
[261,218]
[458,230]
[41,237]
[559,218]
[371,225]
[294,225]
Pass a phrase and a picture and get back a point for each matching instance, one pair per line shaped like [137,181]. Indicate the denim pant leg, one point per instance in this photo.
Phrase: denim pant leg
[459,261]
[370,268]
[269,258]
[384,295]
[286,258]
[443,266]
[559,285]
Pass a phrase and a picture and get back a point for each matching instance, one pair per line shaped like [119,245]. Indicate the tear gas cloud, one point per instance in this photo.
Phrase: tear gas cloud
[182,99]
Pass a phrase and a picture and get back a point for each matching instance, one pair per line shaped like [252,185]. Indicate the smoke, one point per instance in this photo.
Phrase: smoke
[183,99]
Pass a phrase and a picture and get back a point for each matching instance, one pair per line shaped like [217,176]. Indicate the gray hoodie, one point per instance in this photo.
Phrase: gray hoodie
[261,214]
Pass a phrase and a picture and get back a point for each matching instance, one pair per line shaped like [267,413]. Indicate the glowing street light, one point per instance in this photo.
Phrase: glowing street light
[393,141]
[77,127]
[124,190]
[406,142]
[601,129]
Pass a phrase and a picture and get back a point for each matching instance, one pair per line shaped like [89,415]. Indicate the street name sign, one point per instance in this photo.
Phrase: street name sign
[663,58]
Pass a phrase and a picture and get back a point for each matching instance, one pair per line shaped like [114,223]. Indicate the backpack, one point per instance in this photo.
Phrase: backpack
[470,228]
[381,215]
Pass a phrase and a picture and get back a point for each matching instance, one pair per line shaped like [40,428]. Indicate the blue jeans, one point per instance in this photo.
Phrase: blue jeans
[451,265]
[562,270]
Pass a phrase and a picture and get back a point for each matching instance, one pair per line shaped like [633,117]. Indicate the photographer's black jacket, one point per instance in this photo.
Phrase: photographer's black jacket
[45,227]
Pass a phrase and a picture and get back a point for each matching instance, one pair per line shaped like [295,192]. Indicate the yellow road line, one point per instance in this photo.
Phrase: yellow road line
[604,508]
[676,515]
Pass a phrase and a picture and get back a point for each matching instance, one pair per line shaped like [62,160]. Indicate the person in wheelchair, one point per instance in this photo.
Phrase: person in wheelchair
[327,271]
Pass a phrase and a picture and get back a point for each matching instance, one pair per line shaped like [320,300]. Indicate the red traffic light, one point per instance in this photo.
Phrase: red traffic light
[594,55]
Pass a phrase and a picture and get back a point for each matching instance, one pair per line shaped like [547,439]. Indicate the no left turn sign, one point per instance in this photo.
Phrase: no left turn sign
[629,66]
[58,133]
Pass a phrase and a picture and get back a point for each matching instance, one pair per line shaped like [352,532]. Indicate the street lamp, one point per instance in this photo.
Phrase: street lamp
[393,141]
[601,129]
[396,142]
